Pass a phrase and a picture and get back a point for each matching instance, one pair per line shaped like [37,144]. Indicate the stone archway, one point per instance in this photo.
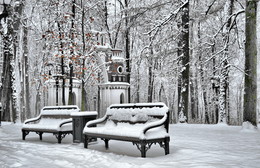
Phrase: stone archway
[122,98]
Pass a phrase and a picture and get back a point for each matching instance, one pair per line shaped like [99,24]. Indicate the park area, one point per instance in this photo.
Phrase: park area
[191,145]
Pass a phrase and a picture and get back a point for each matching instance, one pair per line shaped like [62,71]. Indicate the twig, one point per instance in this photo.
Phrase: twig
[209,7]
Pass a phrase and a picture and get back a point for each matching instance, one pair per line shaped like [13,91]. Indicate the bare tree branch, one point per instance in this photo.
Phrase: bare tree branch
[209,7]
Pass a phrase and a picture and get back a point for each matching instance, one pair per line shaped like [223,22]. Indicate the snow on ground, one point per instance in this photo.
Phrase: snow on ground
[191,145]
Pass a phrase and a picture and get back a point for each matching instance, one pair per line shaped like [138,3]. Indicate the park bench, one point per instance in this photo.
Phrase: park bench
[143,124]
[52,119]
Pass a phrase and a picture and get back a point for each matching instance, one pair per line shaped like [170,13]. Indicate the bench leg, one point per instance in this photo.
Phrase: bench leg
[24,133]
[143,150]
[40,134]
[59,137]
[167,148]
[141,146]
[106,143]
[86,142]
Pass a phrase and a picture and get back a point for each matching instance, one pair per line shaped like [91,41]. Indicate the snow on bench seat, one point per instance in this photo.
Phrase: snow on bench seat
[49,124]
[52,119]
[128,130]
[141,123]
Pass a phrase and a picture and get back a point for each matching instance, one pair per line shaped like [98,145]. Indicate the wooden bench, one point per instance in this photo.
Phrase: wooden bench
[143,124]
[52,119]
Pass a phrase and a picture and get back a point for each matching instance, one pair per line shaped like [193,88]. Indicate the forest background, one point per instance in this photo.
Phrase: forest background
[189,54]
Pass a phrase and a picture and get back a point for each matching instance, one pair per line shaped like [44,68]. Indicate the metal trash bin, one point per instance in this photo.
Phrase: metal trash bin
[79,120]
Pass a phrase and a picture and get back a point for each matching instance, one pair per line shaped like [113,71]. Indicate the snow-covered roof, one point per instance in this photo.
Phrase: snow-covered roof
[117,59]
[116,83]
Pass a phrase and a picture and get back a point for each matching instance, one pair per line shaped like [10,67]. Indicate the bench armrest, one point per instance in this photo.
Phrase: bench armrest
[155,124]
[96,121]
[32,119]
[65,122]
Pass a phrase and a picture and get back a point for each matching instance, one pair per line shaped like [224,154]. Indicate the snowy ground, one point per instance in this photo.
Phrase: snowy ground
[191,146]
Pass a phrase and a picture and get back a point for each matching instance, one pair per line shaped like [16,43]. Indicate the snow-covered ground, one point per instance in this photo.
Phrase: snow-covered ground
[191,146]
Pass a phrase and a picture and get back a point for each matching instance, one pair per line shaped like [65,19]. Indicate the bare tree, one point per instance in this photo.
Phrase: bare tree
[250,96]
[183,53]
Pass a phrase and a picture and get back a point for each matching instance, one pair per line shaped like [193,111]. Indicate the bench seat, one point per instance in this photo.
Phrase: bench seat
[49,124]
[127,130]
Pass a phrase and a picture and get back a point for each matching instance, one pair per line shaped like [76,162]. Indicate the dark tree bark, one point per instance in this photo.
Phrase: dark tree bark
[127,49]
[62,66]
[183,53]
[138,82]
[70,101]
[6,88]
[83,91]
[106,24]
[150,81]
[250,96]
[26,73]
[9,42]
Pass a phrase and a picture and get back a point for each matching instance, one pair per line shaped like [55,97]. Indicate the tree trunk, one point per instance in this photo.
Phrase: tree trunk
[6,90]
[83,91]
[215,87]
[224,72]
[71,101]
[150,81]
[138,82]
[22,111]
[183,53]
[127,49]
[62,67]
[26,73]
[250,96]
[18,9]
[193,77]
[106,24]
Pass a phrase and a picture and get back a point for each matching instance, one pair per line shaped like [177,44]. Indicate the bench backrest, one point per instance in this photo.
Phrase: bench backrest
[138,113]
[58,111]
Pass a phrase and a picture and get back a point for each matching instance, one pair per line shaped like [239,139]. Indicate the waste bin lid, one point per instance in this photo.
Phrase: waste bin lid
[84,113]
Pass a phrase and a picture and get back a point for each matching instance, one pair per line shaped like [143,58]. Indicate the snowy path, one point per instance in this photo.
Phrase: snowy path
[191,146]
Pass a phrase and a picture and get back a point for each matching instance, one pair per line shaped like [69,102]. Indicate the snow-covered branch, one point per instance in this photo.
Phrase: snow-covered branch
[167,19]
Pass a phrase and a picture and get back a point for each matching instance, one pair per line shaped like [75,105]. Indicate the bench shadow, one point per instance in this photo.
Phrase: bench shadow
[126,149]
